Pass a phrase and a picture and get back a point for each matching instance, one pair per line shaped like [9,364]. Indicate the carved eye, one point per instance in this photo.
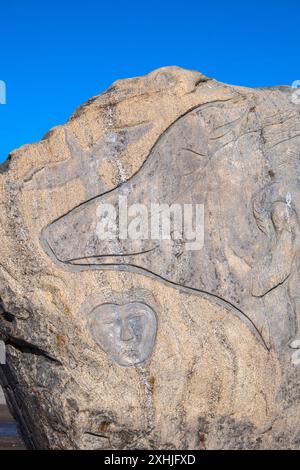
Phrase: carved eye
[135,324]
[109,321]
[135,319]
[192,161]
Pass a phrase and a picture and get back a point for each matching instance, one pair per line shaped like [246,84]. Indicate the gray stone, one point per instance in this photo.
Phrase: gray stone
[2,398]
[125,332]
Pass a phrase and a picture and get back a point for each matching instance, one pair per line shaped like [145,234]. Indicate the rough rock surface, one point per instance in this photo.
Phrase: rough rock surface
[214,331]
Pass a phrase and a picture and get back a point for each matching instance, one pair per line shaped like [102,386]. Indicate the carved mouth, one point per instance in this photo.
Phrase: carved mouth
[54,248]
[107,258]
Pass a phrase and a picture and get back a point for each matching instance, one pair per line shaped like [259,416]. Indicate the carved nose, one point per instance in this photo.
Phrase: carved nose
[126,332]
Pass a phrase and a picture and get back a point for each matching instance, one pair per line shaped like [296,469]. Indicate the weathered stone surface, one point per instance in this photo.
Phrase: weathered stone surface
[141,343]
[2,398]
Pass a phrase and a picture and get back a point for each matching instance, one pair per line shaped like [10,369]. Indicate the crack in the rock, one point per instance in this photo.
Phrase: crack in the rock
[29,348]
[90,433]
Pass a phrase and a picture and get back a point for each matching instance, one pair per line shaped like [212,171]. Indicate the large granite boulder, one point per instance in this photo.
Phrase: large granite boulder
[147,335]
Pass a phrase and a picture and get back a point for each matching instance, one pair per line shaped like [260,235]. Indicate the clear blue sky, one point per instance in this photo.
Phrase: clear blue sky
[55,54]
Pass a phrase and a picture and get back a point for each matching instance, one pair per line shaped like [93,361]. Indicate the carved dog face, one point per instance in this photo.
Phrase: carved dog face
[203,159]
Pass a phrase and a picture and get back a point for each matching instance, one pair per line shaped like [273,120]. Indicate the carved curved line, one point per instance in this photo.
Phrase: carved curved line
[125,267]
[141,270]
[109,255]
[280,283]
[194,152]
[193,108]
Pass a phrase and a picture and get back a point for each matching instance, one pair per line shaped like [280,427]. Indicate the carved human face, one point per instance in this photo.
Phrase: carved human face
[125,332]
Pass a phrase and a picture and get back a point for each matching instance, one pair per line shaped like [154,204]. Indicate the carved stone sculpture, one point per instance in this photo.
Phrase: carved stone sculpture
[120,337]
[125,332]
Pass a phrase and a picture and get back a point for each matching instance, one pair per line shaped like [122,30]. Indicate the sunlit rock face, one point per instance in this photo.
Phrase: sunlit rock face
[149,270]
